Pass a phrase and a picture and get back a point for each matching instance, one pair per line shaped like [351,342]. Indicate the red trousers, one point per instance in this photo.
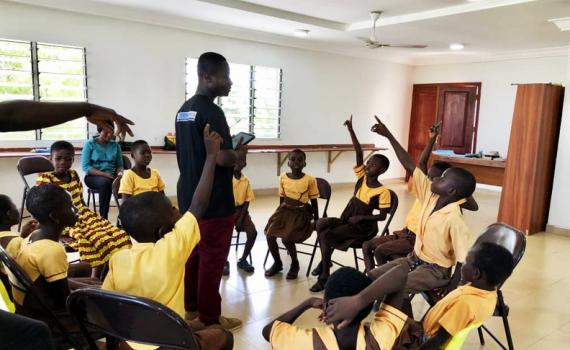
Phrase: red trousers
[205,266]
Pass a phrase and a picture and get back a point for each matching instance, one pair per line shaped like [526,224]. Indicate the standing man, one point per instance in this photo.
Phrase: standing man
[205,265]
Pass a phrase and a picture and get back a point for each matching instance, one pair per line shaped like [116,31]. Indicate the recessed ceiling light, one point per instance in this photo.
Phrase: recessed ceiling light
[456,46]
[301,33]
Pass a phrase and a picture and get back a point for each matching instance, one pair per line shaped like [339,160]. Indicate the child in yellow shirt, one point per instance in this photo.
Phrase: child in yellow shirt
[140,178]
[358,222]
[442,235]
[154,267]
[349,295]
[486,267]
[294,219]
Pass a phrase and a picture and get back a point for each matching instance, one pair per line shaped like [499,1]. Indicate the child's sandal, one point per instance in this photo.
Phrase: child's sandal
[273,270]
[319,286]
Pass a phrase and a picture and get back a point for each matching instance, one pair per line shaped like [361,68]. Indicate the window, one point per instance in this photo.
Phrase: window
[46,72]
[254,103]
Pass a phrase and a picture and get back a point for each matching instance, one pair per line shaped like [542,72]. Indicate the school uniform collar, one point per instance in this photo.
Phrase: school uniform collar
[469,289]
[450,207]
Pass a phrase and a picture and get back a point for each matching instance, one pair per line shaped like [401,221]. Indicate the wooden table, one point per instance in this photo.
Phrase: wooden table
[486,171]
[333,151]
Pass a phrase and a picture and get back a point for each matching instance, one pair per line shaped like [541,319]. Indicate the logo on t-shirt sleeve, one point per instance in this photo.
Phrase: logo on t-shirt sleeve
[186,116]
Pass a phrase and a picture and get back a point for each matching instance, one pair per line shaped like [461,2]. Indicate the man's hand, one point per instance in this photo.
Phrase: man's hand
[212,141]
[434,130]
[100,116]
[380,128]
[348,123]
[28,228]
[342,311]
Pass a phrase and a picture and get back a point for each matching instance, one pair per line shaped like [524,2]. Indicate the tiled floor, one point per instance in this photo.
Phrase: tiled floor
[537,293]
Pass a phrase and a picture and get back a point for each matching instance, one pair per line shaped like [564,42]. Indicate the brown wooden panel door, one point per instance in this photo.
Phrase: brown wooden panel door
[456,111]
[424,112]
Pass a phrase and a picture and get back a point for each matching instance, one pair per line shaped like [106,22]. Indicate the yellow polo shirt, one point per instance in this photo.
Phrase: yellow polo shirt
[156,270]
[463,307]
[132,184]
[442,236]
[302,190]
[242,190]
[366,194]
[386,327]
[41,259]
[12,247]
[413,216]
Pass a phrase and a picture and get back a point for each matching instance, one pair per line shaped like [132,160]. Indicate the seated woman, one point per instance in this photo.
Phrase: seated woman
[102,161]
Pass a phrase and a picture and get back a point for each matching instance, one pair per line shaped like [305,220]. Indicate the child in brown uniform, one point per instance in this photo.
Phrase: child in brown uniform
[357,224]
[293,219]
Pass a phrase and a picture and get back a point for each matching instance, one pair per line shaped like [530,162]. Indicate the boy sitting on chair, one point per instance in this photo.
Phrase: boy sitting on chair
[356,293]
[154,268]
[441,240]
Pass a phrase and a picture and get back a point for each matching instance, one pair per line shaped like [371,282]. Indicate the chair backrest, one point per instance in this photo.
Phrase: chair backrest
[126,162]
[115,187]
[33,165]
[456,342]
[130,318]
[20,280]
[325,192]
[394,201]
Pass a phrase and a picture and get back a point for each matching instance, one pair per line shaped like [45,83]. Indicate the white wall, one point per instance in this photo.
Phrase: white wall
[497,94]
[138,69]
[561,189]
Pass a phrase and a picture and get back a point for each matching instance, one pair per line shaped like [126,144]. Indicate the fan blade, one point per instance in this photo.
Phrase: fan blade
[406,46]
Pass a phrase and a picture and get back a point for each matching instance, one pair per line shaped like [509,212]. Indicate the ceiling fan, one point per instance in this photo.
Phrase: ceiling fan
[373,43]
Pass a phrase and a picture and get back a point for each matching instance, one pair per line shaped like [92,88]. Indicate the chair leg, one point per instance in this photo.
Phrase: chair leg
[266,256]
[481,337]
[22,209]
[505,320]
[312,256]
[355,259]
[237,241]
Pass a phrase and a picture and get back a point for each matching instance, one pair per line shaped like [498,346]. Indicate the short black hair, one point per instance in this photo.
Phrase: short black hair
[108,122]
[299,151]
[465,182]
[5,204]
[144,214]
[210,63]
[495,261]
[137,144]
[441,166]
[384,161]
[345,282]
[45,199]
[61,145]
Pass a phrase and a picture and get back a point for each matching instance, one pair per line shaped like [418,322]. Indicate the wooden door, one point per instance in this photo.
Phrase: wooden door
[424,113]
[456,105]
[456,111]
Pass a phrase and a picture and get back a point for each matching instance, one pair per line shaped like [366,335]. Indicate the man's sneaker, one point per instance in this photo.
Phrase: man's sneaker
[191,315]
[244,265]
[226,271]
[229,323]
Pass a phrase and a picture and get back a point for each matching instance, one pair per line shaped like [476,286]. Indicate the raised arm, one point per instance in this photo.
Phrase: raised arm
[355,142]
[403,156]
[424,157]
[20,115]
[201,198]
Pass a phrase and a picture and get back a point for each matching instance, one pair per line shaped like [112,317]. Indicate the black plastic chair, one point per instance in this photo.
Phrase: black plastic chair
[20,280]
[28,166]
[237,244]
[116,196]
[515,242]
[92,192]
[325,193]
[129,318]
[394,202]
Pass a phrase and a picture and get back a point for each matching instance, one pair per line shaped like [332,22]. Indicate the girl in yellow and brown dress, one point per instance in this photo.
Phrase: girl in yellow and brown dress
[293,219]
[95,238]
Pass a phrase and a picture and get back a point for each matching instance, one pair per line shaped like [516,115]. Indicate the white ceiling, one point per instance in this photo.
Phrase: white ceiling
[487,28]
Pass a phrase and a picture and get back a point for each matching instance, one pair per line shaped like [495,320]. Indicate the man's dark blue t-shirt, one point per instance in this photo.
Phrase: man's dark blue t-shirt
[191,154]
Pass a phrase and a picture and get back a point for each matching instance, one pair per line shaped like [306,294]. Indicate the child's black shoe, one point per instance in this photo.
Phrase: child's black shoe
[244,265]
